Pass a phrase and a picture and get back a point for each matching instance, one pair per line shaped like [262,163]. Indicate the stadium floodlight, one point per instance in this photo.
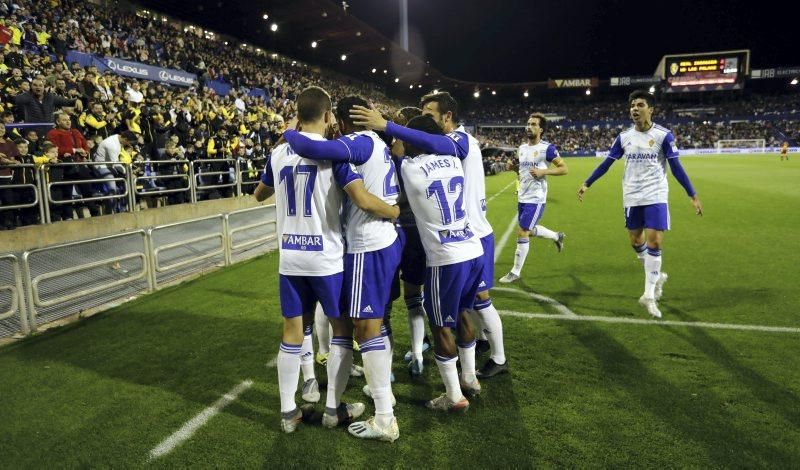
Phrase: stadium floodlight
[274,27]
[477,94]
[374,70]
[396,80]
[526,94]
[313,44]
[794,81]
[419,86]
[652,89]
[385,71]
[588,91]
[494,93]
[411,86]
[435,90]
[226,43]
[343,57]
[266,16]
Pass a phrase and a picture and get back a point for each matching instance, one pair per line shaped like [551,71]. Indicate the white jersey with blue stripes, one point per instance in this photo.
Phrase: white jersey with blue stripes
[475,185]
[436,190]
[533,190]
[644,180]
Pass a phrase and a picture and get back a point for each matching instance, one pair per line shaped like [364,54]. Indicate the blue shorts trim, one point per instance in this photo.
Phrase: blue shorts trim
[450,289]
[368,281]
[529,214]
[652,216]
[487,277]
[413,261]
[300,294]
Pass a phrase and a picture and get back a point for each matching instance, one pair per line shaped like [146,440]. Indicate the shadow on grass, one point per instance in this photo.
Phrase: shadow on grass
[698,420]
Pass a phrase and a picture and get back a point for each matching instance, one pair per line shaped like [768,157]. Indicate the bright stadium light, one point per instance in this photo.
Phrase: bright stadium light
[435,90]
[419,86]
[266,16]
[652,89]
[411,86]
[274,27]
[396,80]
[374,70]
[526,94]
[494,93]
[477,94]
[588,91]
[385,71]
[343,57]
[794,81]
[313,44]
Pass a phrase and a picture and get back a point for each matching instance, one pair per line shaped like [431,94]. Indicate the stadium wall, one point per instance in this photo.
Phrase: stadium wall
[37,236]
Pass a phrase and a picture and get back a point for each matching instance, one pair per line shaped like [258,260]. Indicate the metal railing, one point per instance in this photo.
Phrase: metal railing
[60,281]
[192,183]
[14,318]
[208,162]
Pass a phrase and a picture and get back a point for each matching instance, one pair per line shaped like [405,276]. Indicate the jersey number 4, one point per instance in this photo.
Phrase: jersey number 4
[454,186]
[288,174]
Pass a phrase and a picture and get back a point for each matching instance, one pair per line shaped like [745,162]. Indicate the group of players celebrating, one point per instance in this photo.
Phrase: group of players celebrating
[406,198]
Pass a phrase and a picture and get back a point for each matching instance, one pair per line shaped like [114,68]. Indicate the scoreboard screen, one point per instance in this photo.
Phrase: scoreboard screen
[710,71]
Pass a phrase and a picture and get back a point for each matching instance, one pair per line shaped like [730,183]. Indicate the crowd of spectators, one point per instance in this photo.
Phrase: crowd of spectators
[589,139]
[729,106]
[81,114]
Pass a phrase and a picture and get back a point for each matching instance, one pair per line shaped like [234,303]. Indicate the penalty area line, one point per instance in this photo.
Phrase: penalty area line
[190,427]
[649,322]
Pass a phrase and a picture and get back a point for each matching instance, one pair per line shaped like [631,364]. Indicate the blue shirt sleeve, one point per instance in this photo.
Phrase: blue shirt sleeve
[680,174]
[599,171]
[552,153]
[455,143]
[616,151]
[267,177]
[330,150]
[359,147]
[669,147]
[344,174]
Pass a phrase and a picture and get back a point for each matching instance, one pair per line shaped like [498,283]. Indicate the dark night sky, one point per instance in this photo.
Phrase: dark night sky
[517,40]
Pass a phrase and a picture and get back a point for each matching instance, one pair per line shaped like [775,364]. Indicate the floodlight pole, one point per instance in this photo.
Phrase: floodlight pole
[404,24]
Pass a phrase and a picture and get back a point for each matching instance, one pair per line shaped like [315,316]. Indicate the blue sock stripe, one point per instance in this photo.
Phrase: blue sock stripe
[653,252]
[290,348]
[640,248]
[342,341]
[307,330]
[386,331]
[522,241]
[413,302]
[370,342]
[376,347]
[444,359]
[482,304]
[471,344]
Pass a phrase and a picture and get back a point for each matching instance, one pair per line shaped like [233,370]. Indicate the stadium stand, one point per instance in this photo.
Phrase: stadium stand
[210,140]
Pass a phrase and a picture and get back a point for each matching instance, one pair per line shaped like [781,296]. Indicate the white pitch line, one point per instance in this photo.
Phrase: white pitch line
[501,191]
[504,239]
[640,321]
[191,426]
[561,308]
[272,362]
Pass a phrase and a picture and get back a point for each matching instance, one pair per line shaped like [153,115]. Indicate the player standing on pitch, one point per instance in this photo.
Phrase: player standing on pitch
[646,147]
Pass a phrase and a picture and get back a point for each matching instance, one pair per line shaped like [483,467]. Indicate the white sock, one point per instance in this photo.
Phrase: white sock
[641,251]
[388,341]
[543,232]
[416,324]
[477,323]
[307,356]
[523,245]
[449,373]
[322,329]
[340,360]
[288,375]
[377,368]
[466,353]
[652,271]
[493,327]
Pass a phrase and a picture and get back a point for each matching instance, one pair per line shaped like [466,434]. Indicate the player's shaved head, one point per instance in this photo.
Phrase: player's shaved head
[422,123]
[643,95]
[312,103]
[343,107]
[406,114]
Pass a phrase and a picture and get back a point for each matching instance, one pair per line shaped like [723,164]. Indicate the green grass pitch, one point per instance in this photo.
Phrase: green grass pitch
[107,390]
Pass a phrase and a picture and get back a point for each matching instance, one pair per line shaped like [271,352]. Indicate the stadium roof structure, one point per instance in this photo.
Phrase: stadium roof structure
[301,22]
